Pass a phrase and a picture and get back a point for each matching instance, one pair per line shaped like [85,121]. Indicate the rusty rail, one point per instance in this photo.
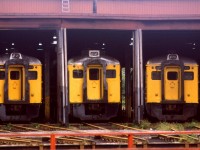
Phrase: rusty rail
[52,135]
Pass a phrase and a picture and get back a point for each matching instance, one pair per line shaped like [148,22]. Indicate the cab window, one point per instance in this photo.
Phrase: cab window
[110,73]
[77,73]
[2,75]
[156,75]
[188,75]
[32,75]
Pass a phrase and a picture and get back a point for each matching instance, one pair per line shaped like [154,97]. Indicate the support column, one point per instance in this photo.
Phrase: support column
[63,105]
[47,85]
[138,90]
[66,107]
[128,85]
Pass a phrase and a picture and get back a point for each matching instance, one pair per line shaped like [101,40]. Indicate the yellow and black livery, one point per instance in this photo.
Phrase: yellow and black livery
[172,88]
[20,87]
[94,86]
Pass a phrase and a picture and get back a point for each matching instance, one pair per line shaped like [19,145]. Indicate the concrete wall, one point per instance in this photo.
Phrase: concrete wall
[104,7]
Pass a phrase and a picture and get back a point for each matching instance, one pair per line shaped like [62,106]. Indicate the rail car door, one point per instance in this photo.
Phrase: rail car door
[172,83]
[94,82]
[15,83]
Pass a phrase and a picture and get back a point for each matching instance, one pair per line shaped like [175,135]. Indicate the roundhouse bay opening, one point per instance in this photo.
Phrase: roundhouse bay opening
[24,83]
[96,103]
[169,78]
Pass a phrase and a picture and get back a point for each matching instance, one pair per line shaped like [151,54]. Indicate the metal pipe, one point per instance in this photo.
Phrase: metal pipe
[96,133]
[61,75]
[53,142]
[130,141]
[137,76]
[141,74]
[66,105]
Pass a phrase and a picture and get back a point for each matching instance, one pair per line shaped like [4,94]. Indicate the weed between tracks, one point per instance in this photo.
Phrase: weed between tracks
[172,126]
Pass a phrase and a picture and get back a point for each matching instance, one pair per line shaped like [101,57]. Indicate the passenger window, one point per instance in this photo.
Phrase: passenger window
[77,73]
[110,73]
[156,75]
[2,75]
[14,75]
[94,74]
[32,75]
[188,75]
[172,75]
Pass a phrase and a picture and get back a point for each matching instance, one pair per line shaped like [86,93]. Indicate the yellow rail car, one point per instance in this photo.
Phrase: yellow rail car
[94,86]
[20,87]
[172,88]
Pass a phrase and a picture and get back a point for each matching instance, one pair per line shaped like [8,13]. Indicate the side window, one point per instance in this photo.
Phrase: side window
[156,75]
[14,75]
[188,75]
[2,75]
[172,75]
[94,74]
[32,75]
[110,73]
[77,73]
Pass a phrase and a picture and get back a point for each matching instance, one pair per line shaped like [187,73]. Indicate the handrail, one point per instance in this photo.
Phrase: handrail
[129,133]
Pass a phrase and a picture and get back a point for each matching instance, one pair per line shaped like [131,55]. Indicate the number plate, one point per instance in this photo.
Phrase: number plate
[94,53]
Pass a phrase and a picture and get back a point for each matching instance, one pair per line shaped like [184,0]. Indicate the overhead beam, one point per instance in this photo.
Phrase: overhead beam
[131,25]
[111,24]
